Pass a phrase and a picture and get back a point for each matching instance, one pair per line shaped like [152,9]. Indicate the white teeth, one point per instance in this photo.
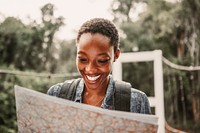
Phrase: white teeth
[93,78]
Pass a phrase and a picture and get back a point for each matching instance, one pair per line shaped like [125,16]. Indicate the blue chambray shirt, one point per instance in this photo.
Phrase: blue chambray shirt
[139,101]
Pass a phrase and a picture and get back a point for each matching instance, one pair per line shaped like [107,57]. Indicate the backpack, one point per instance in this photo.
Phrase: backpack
[122,93]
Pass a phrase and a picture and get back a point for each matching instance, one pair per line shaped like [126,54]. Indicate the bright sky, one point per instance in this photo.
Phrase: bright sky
[75,12]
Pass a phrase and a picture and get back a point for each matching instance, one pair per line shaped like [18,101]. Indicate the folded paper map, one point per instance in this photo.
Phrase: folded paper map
[39,112]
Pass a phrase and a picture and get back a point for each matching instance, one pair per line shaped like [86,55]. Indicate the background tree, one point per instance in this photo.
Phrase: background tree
[50,25]
[29,47]
[26,46]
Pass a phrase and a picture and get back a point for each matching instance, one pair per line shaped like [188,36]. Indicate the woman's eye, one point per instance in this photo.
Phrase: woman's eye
[103,61]
[82,59]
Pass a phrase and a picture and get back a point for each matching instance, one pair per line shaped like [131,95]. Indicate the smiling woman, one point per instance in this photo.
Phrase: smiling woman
[97,49]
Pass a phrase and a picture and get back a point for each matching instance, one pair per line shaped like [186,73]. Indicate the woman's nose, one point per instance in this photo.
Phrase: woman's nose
[91,68]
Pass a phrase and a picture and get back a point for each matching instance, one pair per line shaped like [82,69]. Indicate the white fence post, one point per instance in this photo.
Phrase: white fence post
[158,100]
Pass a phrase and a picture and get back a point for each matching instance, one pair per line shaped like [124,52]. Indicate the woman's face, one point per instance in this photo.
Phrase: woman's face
[95,57]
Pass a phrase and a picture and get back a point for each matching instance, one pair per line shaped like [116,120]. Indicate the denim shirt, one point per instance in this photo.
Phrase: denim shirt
[139,101]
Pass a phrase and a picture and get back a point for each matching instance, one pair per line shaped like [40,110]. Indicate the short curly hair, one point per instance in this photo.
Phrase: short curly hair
[102,26]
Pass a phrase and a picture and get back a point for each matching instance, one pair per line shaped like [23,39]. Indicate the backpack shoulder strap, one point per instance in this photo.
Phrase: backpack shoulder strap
[122,95]
[68,89]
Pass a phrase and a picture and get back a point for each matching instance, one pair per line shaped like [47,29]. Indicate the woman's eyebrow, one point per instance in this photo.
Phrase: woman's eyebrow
[103,54]
[81,52]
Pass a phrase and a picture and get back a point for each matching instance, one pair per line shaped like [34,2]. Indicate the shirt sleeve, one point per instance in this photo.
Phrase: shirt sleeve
[55,90]
[139,102]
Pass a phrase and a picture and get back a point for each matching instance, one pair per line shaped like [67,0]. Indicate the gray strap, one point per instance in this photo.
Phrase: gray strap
[122,96]
[68,89]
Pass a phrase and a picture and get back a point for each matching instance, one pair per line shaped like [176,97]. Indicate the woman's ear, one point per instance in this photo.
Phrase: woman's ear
[117,53]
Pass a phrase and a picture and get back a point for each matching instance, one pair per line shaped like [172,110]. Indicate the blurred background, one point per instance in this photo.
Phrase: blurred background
[37,49]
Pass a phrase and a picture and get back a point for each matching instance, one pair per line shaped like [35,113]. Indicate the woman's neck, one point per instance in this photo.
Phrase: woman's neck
[95,96]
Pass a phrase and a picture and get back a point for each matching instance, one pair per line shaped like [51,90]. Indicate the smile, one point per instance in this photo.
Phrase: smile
[92,78]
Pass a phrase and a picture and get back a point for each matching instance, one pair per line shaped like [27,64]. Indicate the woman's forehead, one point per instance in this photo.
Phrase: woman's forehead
[94,44]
